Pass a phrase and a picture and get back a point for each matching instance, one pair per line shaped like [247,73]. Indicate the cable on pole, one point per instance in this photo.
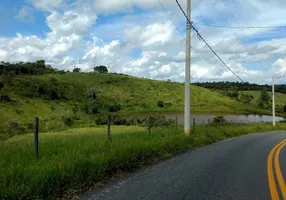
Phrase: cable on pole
[200,36]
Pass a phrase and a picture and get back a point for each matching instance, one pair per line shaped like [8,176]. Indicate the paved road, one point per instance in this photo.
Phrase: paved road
[232,169]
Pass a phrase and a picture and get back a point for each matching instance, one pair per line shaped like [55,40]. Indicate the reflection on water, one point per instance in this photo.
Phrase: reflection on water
[203,118]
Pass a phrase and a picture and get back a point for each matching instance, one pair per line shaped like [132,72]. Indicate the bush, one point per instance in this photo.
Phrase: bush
[15,128]
[114,108]
[219,120]
[101,120]
[158,121]
[67,120]
[76,70]
[160,104]
[5,98]
[1,85]
[93,107]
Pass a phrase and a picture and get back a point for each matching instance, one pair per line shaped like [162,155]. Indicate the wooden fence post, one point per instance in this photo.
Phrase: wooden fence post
[36,137]
[194,123]
[176,122]
[108,126]
[149,125]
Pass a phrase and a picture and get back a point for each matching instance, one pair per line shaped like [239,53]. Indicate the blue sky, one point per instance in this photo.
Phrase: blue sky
[139,38]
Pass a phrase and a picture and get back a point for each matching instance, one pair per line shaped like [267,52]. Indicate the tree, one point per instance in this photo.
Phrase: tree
[246,98]
[233,94]
[264,99]
[76,69]
[284,108]
[101,69]
[160,104]
[264,96]
[91,93]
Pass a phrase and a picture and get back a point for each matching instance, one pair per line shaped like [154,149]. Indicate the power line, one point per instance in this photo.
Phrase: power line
[181,32]
[239,27]
[199,35]
[233,1]
[170,17]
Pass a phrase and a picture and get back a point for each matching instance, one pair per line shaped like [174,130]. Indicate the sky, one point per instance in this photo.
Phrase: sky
[140,38]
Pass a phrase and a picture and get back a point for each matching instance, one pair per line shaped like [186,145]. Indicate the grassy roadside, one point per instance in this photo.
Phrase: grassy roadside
[73,160]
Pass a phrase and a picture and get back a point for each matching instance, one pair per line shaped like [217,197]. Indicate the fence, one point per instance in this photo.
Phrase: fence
[149,122]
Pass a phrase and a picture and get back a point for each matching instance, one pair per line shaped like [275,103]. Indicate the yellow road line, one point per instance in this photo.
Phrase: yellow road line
[278,171]
[271,180]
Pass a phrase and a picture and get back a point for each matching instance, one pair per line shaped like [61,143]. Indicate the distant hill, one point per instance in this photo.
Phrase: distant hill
[240,86]
[63,99]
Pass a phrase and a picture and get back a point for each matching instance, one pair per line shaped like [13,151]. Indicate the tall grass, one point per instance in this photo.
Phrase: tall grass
[73,160]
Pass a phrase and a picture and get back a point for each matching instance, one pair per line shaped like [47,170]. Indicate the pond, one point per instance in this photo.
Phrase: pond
[203,118]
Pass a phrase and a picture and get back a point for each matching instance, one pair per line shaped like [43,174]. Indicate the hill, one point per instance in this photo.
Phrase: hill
[63,99]
[245,86]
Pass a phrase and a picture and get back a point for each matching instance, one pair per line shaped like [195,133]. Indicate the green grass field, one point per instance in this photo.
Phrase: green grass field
[72,161]
[135,95]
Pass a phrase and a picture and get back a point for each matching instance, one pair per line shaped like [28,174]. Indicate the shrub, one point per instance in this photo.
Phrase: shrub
[158,121]
[15,128]
[219,120]
[5,98]
[101,120]
[76,69]
[67,120]
[160,104]
[1,85]
[114,108]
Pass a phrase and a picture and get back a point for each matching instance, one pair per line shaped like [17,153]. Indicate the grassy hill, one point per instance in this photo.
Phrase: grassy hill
[60,97]
[280,98]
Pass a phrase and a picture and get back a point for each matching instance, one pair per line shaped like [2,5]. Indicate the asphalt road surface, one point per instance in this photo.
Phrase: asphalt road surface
[247,167]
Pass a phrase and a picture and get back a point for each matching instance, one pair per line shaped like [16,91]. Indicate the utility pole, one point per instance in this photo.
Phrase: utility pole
[273,102]
[187,113]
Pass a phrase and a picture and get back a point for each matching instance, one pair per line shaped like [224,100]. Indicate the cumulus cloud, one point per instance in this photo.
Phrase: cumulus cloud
[26,14]
[151,35]
[46,4]
[82,34]
[280,66]
[71,22]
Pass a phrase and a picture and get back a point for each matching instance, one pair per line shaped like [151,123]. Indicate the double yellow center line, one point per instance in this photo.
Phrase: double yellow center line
[270,172]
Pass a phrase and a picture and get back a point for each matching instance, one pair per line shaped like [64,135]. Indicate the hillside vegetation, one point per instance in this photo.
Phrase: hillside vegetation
[65,99]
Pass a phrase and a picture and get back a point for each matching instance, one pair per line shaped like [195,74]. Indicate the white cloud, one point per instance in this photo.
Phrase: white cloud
[113,6]
[26,14]
[71,22]
[280,65]
[46,4]
[151,35]
[84,36]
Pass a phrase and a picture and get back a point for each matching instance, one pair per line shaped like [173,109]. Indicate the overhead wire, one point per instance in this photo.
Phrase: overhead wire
[200,36]
[181,32]
[238,27]
[243,18]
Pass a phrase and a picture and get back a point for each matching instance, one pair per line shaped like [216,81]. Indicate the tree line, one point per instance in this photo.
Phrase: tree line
[37,68]
[25,68]
[226,85]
